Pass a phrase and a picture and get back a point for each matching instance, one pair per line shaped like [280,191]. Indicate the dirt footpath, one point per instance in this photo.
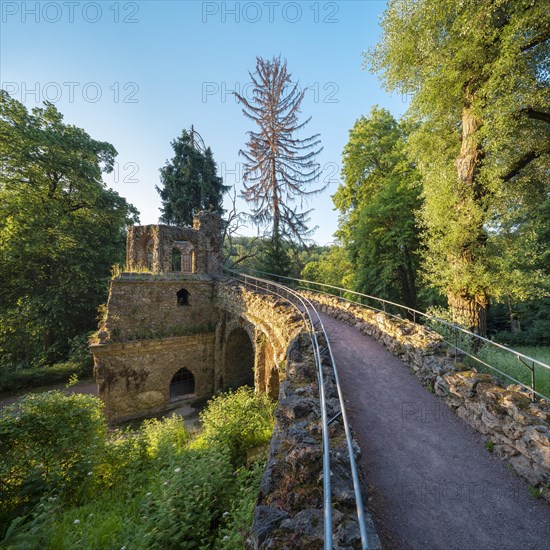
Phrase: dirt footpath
[433,483]
[86,386]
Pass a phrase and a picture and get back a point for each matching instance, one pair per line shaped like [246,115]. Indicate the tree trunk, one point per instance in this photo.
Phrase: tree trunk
[409,282]
[515,326]
[469,311]
[48,340]
[469,306]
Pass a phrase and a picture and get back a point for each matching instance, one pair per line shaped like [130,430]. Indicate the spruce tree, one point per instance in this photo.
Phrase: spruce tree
[189,182]
[278,166]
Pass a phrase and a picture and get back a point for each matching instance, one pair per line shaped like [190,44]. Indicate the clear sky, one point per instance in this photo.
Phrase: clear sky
[136,73]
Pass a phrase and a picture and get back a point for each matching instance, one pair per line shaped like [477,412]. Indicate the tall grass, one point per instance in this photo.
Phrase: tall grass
[512,366]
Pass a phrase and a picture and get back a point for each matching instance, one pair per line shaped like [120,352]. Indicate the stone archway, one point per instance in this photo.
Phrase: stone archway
[182,385]
[238,360]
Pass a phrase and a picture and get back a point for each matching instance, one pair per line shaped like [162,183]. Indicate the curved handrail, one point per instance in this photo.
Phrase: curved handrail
[520,356]
[309,308]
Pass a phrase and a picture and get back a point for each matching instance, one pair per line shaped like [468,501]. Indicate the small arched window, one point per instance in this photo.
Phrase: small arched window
[176,259]
[182,385]
[183,297]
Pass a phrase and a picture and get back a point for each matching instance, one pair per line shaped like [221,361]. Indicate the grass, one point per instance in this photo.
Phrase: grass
[509,364]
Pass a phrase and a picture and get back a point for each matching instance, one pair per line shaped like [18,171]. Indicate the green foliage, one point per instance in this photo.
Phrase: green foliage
[35,377]
[60,232]
[537,492]
[238,421]
[332,267]
[489,445]
[236,521]
[186,508]
[189,183]
[48,442]
[509,364]
[161,436]
[153,487]
[531,323]
[477,73]
[378,202]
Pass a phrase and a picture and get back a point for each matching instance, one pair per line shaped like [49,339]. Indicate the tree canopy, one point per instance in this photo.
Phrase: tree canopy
[61,231]
[378,202]
[189,182]
[478,74]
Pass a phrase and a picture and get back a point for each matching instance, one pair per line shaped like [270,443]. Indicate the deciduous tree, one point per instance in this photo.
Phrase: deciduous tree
[61,231]
[378,202]
[477,72]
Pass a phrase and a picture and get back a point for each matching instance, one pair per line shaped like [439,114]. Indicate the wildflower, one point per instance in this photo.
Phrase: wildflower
[165,483]
[89,473]
[226,538]
[225,514]
[148,494]
[177,470]
[76,521]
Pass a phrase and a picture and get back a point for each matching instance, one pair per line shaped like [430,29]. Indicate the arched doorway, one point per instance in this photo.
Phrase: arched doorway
[239,360]
[182,385]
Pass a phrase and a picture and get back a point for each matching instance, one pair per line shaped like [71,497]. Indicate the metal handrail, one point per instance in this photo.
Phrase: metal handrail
[455,328]
[308,308]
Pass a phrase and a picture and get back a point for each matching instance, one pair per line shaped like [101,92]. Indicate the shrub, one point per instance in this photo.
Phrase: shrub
[164,437]
[238,421]
[49,441]
[34,377]
[236,522]
[184,511]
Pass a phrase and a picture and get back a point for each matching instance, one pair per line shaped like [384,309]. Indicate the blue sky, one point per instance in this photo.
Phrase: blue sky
[135,73]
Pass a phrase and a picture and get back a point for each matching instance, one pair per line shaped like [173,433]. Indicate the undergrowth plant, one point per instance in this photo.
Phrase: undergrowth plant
[74,485]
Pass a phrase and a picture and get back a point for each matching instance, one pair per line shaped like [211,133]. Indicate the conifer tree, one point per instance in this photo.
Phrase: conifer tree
[279,166]
[189,182]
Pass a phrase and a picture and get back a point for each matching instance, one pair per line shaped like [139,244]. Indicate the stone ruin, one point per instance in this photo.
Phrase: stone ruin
[165,249]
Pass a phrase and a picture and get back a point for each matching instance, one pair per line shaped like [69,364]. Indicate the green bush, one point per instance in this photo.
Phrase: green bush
[238,421]
[237,521]
[49,442]
[148,488]
[164,437]
[185,509]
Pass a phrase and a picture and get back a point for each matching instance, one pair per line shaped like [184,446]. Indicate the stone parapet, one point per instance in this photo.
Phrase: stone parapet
[289,514]
[519,430]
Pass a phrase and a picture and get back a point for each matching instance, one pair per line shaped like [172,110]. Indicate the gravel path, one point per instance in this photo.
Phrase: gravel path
[433,483]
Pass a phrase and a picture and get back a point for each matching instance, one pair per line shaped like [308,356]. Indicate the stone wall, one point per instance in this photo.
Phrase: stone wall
[151,247]
[518,428]
[134,377]
[145,306]
[289,514]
